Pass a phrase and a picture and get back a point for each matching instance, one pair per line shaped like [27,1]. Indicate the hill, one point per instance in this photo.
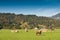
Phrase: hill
[11,20]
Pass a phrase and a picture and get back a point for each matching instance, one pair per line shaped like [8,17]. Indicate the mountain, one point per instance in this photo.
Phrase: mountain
[57,16]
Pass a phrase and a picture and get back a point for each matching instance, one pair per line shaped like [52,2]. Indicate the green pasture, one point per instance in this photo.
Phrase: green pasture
[6,34]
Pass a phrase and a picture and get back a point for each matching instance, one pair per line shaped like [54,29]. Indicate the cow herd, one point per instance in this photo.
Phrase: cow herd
[37,30]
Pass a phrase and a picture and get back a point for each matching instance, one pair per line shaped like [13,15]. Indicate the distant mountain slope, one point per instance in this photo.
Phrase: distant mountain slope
[57,16]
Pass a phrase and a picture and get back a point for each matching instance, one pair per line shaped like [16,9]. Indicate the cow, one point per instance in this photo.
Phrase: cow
[16,31]
[38,32]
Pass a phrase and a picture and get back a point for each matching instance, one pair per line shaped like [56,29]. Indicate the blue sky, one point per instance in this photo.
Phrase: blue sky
[32,7]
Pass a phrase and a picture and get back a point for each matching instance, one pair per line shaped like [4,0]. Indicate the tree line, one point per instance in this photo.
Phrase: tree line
[19,21]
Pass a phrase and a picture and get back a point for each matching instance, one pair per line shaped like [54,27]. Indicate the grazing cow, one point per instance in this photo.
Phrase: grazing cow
[38,32]
[26,29]
[15,31]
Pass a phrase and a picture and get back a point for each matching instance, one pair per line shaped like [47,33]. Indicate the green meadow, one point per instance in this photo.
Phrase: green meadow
[6,34]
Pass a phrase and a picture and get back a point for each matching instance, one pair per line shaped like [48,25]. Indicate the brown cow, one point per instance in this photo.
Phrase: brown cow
[38,32]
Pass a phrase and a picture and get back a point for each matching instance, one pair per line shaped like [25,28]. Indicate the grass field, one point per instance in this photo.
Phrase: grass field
[22,35]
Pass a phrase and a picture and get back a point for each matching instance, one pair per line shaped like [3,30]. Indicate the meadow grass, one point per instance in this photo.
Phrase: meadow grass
[6,34]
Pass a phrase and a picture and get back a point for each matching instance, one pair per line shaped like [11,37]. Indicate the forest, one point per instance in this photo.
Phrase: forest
[20,21]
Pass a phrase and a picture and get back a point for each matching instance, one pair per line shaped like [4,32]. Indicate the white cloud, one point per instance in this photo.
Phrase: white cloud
[47,11]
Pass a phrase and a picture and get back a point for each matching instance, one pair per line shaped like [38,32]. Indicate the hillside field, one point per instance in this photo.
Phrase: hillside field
[6,34]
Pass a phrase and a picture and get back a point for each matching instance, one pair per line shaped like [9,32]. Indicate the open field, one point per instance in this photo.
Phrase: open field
[22,35]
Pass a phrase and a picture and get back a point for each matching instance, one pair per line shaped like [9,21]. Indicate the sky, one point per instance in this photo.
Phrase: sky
[31,7]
